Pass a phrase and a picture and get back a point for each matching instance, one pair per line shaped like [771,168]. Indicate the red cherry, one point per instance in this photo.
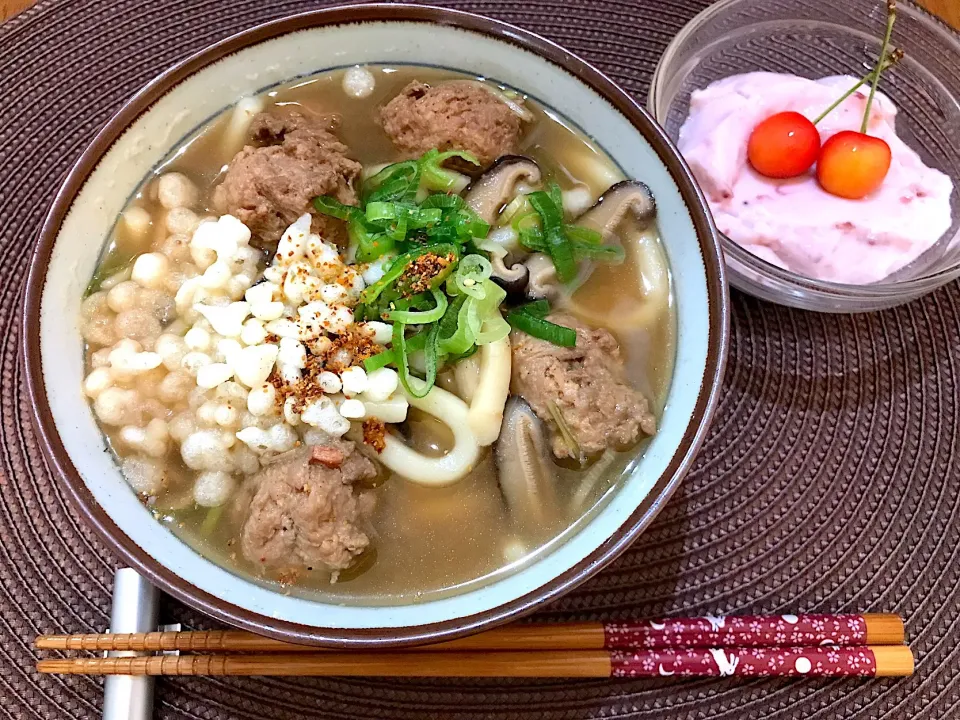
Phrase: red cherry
[852,164]
[784,145]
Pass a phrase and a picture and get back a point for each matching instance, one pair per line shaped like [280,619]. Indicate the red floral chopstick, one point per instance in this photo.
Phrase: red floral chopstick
[754,631]
[890,660]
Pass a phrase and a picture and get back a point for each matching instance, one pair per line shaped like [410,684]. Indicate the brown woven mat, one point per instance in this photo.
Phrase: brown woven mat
[830,481]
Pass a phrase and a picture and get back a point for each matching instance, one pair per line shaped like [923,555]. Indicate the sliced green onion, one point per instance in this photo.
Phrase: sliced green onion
[492,329]
[542,329]
[397,182]
[426,217]
[451,359]
[402,358]
[436,177]
[613,254]
[387,212]
[443,233]
[398,231]
[462,337]
[416,317]
[532,239]
[333,207]
[553,190]
[569,440]
[395,270]
[491,326]
[414,343]
[211,520]
[516,208]
[448,323]
[369,244]
[526,219]
[377,211]
[537,308]
[430,360]
[380,360]
[400,264]
[558,247]
[469,224]
[582,234]
[560,251]
[444,202]
[471,272]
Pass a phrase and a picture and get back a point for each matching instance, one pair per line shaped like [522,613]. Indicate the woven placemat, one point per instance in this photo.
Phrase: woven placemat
[829,483]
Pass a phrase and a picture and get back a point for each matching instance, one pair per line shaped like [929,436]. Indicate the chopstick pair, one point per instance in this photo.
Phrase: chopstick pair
[816,645]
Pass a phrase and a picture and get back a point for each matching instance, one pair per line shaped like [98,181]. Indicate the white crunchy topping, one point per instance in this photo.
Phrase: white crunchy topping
[358,82]
[98,381]
[330,382]
[283,328]
[193,361]
[262,400]
[197,339]
[382,332]
[209,376]
[254,364]
[290,415]
[176,190]
[205,450]
[253,332]
[277,438]
[226,320]
[151,440]
[293,242]
[323,414]
[243,370]
[352,409]
[127,359]
[291,359]
[381,384]
[213,488]
[354,381]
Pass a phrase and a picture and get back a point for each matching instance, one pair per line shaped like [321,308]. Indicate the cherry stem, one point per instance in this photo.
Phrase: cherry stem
[891,60]
[891,17]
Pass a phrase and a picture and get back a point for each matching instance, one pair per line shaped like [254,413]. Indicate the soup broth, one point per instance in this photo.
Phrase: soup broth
[424,540]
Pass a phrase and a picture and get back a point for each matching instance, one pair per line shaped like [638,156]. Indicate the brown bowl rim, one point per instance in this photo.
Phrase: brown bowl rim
[619,539]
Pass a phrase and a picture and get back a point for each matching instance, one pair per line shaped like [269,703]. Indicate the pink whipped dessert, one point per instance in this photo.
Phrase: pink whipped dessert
[794,223]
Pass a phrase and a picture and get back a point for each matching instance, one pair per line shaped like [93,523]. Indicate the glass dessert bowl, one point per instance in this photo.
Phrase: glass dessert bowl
[813,40]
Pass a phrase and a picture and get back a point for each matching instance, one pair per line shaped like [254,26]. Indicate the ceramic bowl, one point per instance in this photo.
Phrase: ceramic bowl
[185,97]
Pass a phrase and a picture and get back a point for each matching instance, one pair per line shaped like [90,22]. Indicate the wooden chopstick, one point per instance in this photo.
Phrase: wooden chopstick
[881,661]
[710,632]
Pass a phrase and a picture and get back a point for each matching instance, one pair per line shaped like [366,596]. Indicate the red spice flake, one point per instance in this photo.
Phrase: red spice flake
[416,278]
[374,434]
[356,343]
[329,457]
[351,347]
